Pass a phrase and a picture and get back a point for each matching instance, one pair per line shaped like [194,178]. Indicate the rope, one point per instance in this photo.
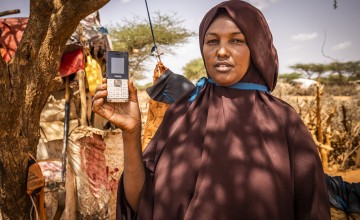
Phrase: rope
[34,207]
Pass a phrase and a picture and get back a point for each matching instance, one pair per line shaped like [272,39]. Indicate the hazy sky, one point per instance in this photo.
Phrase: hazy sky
[298,27]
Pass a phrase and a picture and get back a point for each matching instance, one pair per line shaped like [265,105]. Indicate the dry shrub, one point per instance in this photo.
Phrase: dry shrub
[343,129]
[287,89]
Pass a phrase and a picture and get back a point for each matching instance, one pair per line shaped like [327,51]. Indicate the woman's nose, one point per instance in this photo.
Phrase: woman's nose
[222,51]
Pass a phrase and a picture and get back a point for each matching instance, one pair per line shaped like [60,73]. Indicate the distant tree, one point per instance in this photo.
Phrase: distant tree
[306,69]
[337,68]
[194,69]
[319,69]
[135,37]
[287,77]
[310,69]
[338,72]
[353,69]
[350,69]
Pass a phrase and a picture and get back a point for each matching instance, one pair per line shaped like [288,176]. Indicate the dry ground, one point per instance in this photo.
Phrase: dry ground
[352,176]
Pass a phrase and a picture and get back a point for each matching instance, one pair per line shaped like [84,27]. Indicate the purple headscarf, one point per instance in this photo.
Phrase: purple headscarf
[264,66]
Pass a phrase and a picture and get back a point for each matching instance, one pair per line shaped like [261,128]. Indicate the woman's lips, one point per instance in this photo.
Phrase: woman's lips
[223,67]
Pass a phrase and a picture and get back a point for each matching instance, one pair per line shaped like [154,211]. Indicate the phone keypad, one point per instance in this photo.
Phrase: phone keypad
[117,90]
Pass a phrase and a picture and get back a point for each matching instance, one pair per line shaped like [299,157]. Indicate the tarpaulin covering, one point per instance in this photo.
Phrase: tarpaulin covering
[11,32]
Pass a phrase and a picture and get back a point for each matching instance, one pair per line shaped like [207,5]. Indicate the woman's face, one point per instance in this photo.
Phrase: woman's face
[226,53]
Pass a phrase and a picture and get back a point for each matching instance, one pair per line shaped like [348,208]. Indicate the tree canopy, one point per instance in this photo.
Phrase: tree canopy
[195,69]
[344,71]
[134,36]
[350,69]
[287,77]
[309,69]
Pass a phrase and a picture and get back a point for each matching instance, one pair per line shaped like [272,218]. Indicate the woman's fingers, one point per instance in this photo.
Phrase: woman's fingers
[101,87]
[124,115]
[99,98]
[97,105]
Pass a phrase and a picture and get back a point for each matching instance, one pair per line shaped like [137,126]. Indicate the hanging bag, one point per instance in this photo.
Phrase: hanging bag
[93,73]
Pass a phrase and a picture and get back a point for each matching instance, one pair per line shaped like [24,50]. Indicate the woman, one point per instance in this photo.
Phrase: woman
[229,149]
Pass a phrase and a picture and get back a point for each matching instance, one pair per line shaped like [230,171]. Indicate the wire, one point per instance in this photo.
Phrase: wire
[151,27]
[154,50]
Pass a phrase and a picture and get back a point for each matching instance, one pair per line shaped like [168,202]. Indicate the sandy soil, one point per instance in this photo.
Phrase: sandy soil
[352,176]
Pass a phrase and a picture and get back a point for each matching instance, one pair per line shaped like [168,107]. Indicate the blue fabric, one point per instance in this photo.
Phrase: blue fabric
[343,195]
[168,97]
[240,85]
[245,86]
[199,85]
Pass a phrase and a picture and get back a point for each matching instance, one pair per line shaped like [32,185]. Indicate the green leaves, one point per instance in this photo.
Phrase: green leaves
[134,35]
[348,70]
[195,69]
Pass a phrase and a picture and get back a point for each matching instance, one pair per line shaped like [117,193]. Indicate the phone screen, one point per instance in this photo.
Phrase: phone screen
[117,65]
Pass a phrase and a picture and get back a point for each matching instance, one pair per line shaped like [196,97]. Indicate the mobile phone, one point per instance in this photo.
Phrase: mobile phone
[117,74]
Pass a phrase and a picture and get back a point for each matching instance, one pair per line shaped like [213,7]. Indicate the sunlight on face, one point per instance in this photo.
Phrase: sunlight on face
[226,53]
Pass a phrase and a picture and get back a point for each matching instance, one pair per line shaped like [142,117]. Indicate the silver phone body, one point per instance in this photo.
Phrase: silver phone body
[117,74]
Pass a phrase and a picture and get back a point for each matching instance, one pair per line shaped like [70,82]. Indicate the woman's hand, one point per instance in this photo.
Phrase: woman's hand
[125,116]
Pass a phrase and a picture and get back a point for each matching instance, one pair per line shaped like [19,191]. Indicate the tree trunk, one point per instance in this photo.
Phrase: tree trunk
[25,84]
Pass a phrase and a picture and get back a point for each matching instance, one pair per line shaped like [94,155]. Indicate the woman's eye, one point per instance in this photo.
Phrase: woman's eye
[238,40]
[212,41]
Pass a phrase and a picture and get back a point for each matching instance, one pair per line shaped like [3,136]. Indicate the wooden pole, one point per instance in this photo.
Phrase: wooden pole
[81,80]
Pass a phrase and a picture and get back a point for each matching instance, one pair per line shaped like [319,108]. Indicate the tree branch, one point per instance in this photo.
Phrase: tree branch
[51,23]
[9,12]
[2,63]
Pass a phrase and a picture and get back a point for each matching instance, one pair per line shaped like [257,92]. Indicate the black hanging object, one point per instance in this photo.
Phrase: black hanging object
[169,87]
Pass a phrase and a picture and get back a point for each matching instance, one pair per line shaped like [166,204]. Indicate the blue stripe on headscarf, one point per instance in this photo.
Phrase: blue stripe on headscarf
[240,85]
